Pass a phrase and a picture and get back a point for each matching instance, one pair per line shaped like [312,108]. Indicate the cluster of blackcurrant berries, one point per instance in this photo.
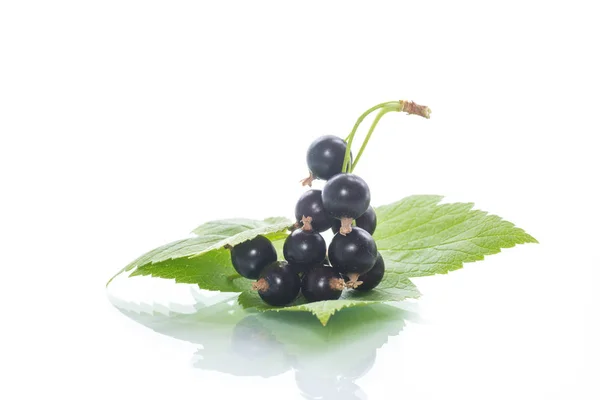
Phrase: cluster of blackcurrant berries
[318,272]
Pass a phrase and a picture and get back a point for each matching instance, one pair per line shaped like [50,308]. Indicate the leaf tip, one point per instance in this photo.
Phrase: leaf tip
[531,239]
[111,279]
[323,319]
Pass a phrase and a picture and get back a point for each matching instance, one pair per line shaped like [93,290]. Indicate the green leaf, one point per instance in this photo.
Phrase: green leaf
[204,260]
[235,231]
[211,270]
[231,227]
[173,250]
[417,236]
[278,244]
[392,288]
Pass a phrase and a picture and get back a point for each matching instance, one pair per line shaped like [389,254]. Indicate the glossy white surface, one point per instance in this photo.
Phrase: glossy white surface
[123,125]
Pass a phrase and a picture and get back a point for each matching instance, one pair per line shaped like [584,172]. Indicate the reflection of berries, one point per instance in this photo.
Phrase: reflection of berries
[346,197]
[353,254]
[310,204]
[322,283]
[372,277]
[278,285]
[253,341]
[359,365]
[367,221]
[315,385]
[325,156]
[304,246]
[252,256]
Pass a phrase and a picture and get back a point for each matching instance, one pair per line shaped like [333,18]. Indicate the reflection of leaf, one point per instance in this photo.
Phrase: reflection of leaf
[215,328]
[325,360]
[203,259]
[247,349]
[302,333]
[263,344]
[392,288]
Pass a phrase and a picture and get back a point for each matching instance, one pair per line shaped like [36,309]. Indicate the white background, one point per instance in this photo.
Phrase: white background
[124,124]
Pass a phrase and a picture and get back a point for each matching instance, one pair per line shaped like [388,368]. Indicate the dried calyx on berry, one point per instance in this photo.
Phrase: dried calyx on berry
[346,197]
[311,203]
[325,158]
[322,283]
[278,284]
[367,221]
[372,277]
[353,254]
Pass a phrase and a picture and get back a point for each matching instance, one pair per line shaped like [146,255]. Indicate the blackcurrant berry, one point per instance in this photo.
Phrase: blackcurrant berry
[300,269]
[325,157]
[304,246]
[346,197]
[367,221]
[252,256]
[372,277]
[322,283]
[310,204]
[278,284]
[353,254]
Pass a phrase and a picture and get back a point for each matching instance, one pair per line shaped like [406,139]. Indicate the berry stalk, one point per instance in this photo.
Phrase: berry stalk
[410,107]
[350,137]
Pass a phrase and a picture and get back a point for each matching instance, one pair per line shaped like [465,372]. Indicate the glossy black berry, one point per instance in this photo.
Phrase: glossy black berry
[372,277]
[353,254]
[325,156]
[278,284]
[322,283]
[300,269]
[252,256]
[346,196]
[367,221]
[304,246]
[310,204]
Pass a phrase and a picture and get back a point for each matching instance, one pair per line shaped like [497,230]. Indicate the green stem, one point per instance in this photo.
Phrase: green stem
[350,137]
[380,114]
[409,107]
[365,114]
